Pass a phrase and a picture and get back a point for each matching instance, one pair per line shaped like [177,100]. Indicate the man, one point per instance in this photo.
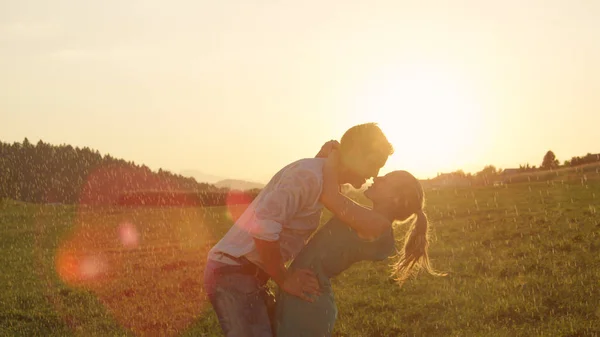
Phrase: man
[275,227]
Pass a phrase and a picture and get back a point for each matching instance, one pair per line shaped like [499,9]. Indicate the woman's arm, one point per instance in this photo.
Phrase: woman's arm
[366,222]
[327,148]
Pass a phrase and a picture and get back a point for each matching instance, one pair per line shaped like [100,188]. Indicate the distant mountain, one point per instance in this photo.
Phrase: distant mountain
[235,184]
[201,177]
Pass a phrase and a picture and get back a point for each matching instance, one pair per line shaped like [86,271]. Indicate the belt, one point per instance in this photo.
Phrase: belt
[246,268]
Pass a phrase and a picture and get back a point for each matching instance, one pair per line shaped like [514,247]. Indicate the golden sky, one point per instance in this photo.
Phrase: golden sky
[240,88]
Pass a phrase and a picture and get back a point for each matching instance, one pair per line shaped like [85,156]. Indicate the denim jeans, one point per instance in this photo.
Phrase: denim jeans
[241,301]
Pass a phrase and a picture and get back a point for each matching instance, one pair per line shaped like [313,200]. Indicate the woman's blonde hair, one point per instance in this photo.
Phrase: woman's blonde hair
[413,256]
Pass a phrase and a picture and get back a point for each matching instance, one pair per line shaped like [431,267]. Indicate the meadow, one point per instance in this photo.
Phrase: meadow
[522,260]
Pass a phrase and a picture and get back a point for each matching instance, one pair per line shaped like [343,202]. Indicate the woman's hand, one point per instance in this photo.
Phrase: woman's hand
[327,148]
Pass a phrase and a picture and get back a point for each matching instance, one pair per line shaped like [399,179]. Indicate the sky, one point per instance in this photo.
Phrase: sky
[241,88]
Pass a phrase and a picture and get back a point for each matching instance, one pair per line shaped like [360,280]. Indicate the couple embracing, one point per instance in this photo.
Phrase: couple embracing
[276,226]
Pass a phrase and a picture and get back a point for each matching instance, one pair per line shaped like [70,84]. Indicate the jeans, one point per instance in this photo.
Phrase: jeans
[241,301]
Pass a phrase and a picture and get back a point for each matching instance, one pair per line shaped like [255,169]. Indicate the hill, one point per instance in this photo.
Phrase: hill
[202,177]
[236,184]
[46,173]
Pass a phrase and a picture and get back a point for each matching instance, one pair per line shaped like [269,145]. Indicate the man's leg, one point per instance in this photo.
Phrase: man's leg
[270,302]
[239,302]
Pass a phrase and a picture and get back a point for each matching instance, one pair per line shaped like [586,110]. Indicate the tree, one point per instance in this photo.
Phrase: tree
[488,171]
[550,161]
[26,143]
[486,175]
[524,168]
[459,174]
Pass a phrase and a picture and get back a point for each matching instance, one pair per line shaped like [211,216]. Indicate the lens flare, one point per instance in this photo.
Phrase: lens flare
[67,266]
[128,235]
[237,203]
[92,266]
[142,256]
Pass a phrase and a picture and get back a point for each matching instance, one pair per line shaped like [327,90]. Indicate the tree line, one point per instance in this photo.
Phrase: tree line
[490,173]
[46,173]
[551,162]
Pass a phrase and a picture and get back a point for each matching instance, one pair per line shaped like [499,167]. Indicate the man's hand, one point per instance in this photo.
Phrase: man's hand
[327,148]
[301,283]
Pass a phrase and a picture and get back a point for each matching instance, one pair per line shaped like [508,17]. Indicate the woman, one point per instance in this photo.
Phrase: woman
[358,234]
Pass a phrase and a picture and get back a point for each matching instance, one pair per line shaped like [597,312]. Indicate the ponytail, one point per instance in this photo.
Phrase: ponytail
[414,255]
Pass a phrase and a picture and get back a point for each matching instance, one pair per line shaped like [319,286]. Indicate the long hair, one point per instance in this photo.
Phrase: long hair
[414,256]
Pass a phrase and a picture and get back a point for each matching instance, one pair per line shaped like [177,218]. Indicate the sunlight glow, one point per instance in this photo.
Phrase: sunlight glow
[431,117]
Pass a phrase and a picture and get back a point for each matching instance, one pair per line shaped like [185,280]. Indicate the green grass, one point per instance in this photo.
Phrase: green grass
[522,260]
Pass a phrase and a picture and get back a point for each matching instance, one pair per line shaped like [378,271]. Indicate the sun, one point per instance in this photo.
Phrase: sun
[431,117]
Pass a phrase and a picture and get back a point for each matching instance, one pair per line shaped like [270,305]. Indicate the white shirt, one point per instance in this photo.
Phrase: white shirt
[286,210]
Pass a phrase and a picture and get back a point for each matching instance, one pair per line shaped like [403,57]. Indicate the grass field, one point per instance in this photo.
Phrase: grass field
[523,260]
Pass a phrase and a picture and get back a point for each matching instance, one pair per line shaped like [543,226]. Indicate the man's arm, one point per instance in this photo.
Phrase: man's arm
[297,187]
[270,255]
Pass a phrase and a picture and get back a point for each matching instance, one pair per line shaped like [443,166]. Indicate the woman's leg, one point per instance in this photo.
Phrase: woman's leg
[298,318]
